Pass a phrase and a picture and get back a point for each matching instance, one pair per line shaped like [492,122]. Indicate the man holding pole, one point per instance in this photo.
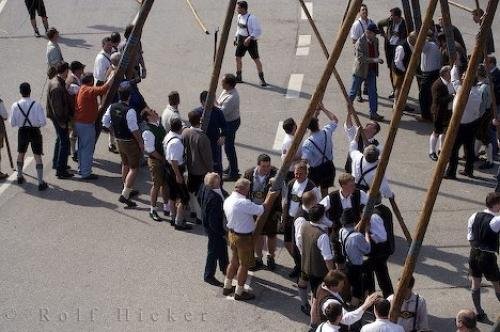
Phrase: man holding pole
[247,34]
[3,135]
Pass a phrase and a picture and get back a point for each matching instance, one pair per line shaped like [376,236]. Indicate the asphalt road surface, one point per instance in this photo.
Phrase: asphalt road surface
[72,259]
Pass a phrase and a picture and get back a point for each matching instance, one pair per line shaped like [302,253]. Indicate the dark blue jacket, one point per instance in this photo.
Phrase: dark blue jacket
[212,210]
[216,125]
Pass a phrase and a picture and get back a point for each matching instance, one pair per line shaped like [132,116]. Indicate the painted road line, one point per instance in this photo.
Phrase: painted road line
[280,136]
[302,51]
[309,6]
[304,40]
[294,86]
[2,4]
[13,177]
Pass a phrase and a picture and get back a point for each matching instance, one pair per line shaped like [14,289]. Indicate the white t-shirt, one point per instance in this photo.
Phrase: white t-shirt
[174,148]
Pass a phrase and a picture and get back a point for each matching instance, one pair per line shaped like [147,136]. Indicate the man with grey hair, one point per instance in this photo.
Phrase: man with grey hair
[442,92]
[240,213]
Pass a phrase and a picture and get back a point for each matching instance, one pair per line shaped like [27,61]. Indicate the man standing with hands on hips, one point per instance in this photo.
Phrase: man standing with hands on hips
[247,33]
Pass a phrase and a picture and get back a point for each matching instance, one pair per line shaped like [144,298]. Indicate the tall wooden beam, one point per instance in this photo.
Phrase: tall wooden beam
[432,192]
[417,16]
[313,104]
[448,31]
[214,80]
[407,15]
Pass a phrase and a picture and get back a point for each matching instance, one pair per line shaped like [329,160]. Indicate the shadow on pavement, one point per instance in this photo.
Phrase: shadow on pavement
[277,89]
[105,27]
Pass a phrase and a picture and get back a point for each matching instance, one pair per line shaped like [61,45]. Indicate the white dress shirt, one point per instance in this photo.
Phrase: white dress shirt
[348,317]
[298,189]
[253,26]
[455,77]
[229,103]
[54,54]
[323,241]
[101,65]
[359,27]
[351,134]
[345,201]
[240,212]
[285,146]
[378,233]
[399,57]
[36,115]
[382,325]
[494,223]
[149,140]
[174,148]
[422,323]
[473,106]
[394,39]
[430,59]
[327,327]
[356,157]
[313,154]
[131,119]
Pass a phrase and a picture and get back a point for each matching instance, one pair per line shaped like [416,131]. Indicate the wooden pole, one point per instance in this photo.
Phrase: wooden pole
[453,3]
[313,104]
[417,16]
[477,5]
[7,144]
[345,11]
[407,14]
[400,219]
[350,106]
[399,105]
[448,30]
[197,17]
[129,53]
[432,192]
[209,103]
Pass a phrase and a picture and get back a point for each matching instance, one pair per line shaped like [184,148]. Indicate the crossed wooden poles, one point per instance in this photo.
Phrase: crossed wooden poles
[349,17]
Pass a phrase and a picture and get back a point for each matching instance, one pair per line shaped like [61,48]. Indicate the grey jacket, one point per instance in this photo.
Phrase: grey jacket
[361,56]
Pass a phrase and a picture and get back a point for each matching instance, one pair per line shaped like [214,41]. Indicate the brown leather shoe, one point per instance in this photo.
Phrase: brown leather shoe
[245,296]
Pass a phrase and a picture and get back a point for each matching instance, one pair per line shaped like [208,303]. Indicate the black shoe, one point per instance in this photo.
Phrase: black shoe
[37,34]
[3,176]
[365,92]
[391,96]
[197,221]
[433,156]
[112,148]
[20,180]
[214,282]
[271,264]
[226,171]
[306,309]
[126,201]
[154,215]
[230,178]
[482,317]
[90,177]
[360,99]
[295,273]
[376,117]
[183,227]
[134,193]
[239,78]
[75,157]
[172,221]
[263,83]
[228,291]
[467,174]
[166,213]
[65,175]
[450,177]
[486,165]
[245,296]
[43,186]
[259,265]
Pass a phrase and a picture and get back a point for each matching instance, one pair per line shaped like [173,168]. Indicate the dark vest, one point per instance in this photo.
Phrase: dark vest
[159,133]
[384,248]
[321,297]
[484,237]
[336,210]
[309,186]
[361,147]
[406,58]
[118,112]
[313,263]
[258,194]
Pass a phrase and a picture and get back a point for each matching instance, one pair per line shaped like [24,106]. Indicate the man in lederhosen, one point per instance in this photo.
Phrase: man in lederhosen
[247,34]
[292,199]
[483,229]
[3,133]
[29,116]
[259,178]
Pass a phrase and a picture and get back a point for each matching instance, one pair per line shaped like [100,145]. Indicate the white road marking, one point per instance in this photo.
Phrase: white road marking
[280,136]
[2,4]
[302,51]
[304,40]
[13,176]
[294,86]
[309,6]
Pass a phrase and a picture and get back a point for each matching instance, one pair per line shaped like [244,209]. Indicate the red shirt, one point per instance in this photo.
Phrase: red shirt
[372,54]
[86,109]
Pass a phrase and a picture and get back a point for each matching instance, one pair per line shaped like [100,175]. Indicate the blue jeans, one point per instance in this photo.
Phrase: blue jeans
[229,148]
[371,82]
[86,141]
[61,149]
[217,251]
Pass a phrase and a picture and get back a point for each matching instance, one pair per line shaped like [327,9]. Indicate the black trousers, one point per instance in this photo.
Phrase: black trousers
[425,93]
[217,252]
[465,137]
[378,266]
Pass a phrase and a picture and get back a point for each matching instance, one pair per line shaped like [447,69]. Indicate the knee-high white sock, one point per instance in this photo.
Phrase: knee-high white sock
[432,143]
[440,142]
[489,153]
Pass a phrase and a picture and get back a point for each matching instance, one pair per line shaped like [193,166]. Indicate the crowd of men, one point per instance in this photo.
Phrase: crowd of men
[336,257]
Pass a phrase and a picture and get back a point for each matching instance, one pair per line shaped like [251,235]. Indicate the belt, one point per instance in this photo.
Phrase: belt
[240,234]
[296,198]
[258,194]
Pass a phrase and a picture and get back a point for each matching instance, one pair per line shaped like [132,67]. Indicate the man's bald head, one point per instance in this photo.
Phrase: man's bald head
[466,321]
